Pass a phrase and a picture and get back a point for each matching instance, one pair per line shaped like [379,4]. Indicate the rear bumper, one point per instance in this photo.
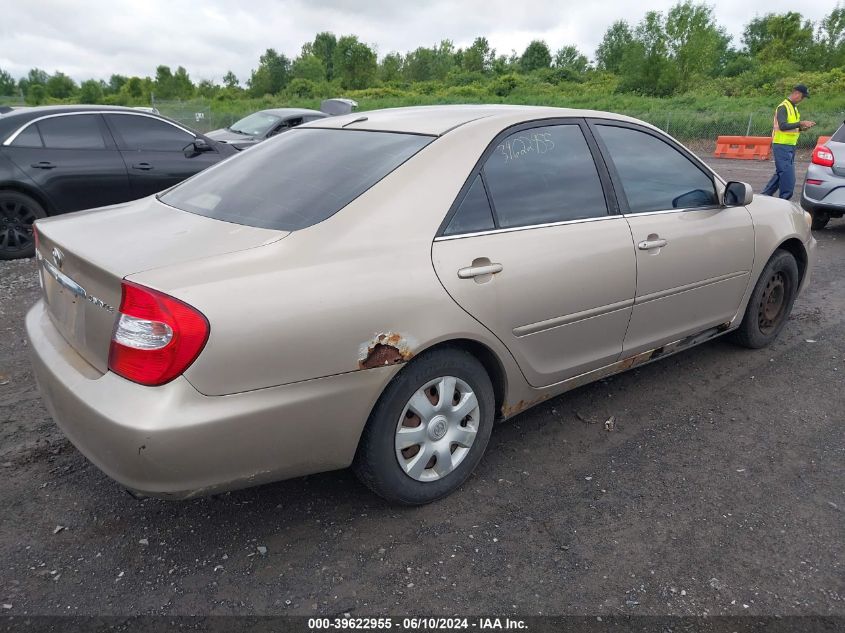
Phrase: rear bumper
[815,206]
[173,442]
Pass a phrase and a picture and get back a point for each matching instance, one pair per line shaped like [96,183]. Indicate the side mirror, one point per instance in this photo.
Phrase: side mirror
[737,194]
[199,146]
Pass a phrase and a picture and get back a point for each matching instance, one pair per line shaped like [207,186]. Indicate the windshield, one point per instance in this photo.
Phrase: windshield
[297,179]
[257,124]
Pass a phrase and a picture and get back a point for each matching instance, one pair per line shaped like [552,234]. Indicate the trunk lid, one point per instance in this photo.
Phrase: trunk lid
[83,257]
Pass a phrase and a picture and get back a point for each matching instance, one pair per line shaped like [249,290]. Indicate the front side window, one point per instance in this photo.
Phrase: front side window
[78,131]
[655,175]
[543,175]
[142,133]
[297,179]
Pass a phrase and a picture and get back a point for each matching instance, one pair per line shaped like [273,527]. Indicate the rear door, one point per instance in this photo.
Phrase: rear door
[155,152]
[533,250]
[694,256]
[73,159]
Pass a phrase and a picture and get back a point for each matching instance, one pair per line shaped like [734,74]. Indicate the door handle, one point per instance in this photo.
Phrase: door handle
[477,271]
[44,164]
[651,243]
[142,166]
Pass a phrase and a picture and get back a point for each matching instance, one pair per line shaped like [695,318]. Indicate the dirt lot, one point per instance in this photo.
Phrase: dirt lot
[720,491]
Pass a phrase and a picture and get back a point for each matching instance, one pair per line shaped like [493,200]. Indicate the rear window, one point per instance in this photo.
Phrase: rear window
[295,180]
[839,135]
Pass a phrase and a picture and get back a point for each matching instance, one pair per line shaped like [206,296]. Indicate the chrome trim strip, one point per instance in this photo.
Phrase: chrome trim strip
[444,238]
[10,139]
[63,280]
[684,210]
[548,324]
[693,286]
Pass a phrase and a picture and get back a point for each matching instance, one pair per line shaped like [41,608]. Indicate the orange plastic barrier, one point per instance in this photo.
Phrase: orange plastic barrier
[743,147]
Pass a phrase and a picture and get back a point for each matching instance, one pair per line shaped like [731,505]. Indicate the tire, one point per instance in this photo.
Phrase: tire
[17,213]
[419,473]
[770,303]
[820,220]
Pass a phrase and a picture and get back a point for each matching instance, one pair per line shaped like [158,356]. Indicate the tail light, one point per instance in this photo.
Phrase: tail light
[823,156]
[156,337]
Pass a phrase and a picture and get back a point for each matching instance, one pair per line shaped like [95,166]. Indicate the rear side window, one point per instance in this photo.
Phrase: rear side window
[29,137]
[295,180]
[79,131]
[474,214]
[142,133]
[839,135]
[654,175]
[542,175]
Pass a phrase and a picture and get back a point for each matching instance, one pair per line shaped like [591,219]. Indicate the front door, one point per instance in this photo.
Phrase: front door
[533,252]
[155,152]
[694,256]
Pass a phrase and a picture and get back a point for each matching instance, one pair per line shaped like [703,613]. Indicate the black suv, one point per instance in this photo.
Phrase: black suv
[58,159]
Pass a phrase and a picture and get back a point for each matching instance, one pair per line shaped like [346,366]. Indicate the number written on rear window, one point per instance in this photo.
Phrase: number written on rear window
[654,175]
[78,131]
[544,175]
[142,133]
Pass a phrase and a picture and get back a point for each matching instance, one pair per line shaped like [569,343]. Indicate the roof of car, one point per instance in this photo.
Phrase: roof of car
[289,112]
[437,120]
[11,121]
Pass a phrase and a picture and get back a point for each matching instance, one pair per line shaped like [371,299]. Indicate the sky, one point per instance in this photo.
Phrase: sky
[93,38]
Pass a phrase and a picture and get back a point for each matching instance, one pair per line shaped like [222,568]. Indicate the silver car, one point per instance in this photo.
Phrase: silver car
[824,187]
[378,289]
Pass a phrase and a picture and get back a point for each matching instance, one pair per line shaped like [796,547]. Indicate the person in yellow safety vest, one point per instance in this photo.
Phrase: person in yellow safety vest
[786,128]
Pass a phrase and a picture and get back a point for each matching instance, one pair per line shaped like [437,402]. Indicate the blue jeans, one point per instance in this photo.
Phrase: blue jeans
[784,179]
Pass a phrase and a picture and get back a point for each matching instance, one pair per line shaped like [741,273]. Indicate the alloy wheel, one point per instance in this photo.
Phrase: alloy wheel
[16,218]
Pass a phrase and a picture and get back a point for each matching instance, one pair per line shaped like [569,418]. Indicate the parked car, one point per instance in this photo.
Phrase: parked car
[261,125]
[377,290]
[58,159]
[823,194]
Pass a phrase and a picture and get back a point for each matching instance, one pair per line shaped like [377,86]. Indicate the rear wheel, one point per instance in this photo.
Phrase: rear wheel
[770,303]
[820,220]
[17,213]
[428,430]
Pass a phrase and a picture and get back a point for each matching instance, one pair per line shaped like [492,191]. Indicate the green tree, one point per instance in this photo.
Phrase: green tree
[90,91]
[60,86]
[536,56]
[116,82]
[615,44]
[133,88]
[354,63]
[323,48]
[830,40]
[35,77]
[569,58]
[36,94]
[646,67]
[230,81]
[390,68]
[207,89]
[779,37]
[164,85]
[478,58]
[696,44]
[308,66]
[271,76]
[8,86]
[419,64]
[182,84]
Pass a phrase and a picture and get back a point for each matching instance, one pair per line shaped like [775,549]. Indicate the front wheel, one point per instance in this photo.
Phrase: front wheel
[428,430]
[770,303]
[17,213]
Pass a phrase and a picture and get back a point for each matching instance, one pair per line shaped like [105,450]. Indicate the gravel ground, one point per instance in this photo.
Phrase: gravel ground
[720,491]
